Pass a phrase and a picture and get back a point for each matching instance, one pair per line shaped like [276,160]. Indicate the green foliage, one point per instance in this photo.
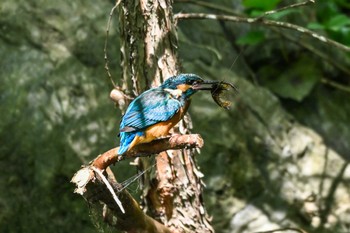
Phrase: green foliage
[331,19]
[261,5]
[283,14]
[338,27]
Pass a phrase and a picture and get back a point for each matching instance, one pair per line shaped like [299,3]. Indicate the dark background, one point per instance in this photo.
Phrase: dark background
[56,114]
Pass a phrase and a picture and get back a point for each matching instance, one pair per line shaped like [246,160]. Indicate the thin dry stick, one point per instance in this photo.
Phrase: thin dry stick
[124,184]
[210,6]
[315,51]
[284,229]
[266,22]
[132,179]
[109,187]
[287,7]
[335,85]
[106,42]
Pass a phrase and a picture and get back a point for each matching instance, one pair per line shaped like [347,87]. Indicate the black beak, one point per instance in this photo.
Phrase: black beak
[205,85]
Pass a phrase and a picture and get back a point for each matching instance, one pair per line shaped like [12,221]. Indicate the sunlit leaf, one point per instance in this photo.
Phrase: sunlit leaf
[281,14]
[337,22]
[315,26]
[263,5]
[256,13]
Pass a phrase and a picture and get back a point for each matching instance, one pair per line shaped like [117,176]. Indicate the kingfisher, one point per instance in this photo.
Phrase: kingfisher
[152,114]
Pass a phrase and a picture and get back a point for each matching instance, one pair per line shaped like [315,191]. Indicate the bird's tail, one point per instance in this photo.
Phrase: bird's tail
[125,140]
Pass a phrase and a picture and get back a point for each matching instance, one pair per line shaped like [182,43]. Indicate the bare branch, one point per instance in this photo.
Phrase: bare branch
[210,6]
[124,212]
[284,229]
[335,85]
[187,141]
[106,43]
[93,189]
[230,11]
[265,22]
[109,187]
[287,7]
[315,51]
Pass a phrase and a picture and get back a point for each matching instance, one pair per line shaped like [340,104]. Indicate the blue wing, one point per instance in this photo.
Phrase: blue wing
[151,107]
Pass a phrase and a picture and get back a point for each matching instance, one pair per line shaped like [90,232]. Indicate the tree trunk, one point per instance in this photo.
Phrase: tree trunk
[148,46]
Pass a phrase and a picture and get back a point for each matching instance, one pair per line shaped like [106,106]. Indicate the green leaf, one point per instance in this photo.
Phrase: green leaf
[281,14]
[337,22]
[315,26]
[263,5]
[343,3]
[256,13]
[297,81]
[251,38]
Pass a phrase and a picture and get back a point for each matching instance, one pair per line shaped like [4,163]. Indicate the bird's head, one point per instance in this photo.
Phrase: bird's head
[187,84]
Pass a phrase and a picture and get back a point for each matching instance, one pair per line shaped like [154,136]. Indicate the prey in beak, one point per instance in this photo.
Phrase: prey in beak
[218,89]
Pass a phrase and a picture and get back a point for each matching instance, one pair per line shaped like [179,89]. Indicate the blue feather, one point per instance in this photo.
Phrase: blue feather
[151,107]
[125,139]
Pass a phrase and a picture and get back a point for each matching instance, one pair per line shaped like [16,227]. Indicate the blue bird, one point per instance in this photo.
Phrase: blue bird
[153,113]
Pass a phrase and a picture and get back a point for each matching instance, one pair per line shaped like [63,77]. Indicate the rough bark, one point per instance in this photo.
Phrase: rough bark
[148,46]
[173,196]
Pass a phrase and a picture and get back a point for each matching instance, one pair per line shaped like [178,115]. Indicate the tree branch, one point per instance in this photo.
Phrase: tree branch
[174,142]
[94,191]
[106,42]
[89,183]
[284,229]
[287,7]
[317,52]
[266,22]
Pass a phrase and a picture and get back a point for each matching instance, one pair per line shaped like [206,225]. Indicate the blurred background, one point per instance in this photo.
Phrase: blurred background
[278,158]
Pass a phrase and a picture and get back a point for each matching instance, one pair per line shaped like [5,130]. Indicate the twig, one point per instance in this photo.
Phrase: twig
[335,85]
[132,179]
[109,187]
[106,43]
[287,7]
[309,47]
[210,6]
[266,22]
[230,11]
[93,191]
[284,229]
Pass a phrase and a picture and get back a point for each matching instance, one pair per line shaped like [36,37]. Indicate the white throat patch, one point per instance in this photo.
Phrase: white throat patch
[174,93]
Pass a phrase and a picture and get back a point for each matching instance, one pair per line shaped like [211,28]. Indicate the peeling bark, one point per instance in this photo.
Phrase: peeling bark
[174,195]
[148,45]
